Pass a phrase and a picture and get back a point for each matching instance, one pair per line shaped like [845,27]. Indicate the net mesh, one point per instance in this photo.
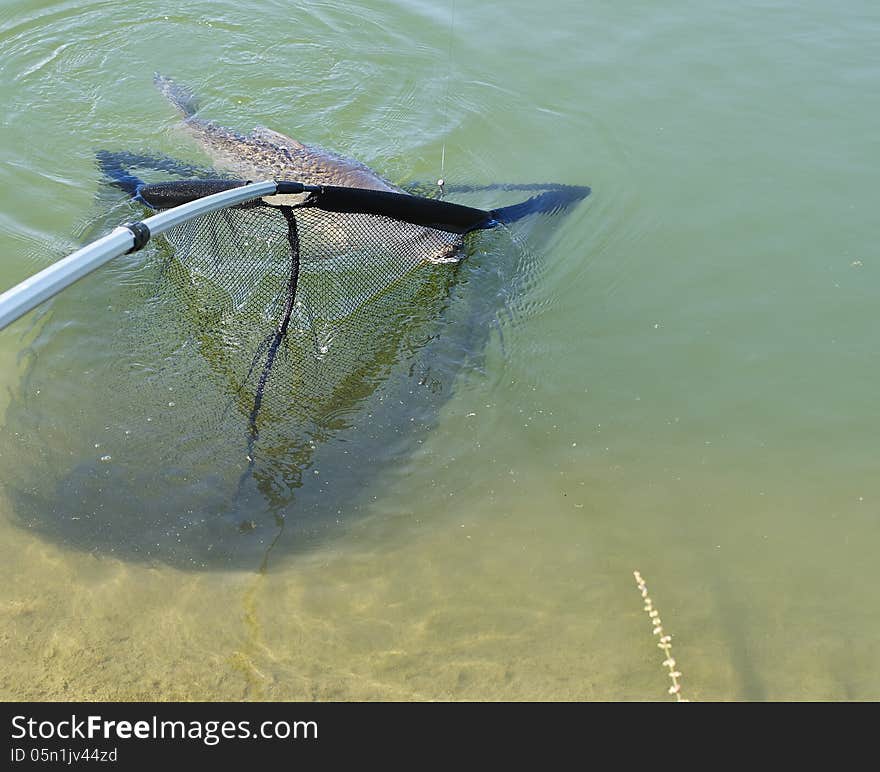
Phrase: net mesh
[292,299]
[303,311]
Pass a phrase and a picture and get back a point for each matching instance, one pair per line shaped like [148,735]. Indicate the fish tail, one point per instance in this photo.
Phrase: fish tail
[180,96]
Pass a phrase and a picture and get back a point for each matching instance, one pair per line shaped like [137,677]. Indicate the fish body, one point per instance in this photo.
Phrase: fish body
[267,154]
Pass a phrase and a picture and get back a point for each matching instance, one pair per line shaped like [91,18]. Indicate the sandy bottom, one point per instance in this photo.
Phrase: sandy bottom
[493,605]
[346,623]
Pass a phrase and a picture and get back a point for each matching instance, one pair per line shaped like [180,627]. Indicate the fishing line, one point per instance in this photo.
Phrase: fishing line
[441,181]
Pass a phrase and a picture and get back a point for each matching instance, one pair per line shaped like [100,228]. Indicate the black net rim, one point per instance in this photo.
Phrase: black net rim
[414,209]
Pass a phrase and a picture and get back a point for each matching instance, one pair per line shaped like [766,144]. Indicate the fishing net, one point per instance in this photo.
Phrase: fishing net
[302,294]
[271,354]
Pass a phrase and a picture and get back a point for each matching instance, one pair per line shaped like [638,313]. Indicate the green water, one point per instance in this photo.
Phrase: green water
[686,387]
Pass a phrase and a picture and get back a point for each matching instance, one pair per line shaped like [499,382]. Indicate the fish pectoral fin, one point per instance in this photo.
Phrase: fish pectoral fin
[276,138]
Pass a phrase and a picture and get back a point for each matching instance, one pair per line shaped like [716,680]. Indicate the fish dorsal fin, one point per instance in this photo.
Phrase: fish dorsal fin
[276,138]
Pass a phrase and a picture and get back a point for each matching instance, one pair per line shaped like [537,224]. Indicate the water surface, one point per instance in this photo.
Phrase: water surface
[686,385]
